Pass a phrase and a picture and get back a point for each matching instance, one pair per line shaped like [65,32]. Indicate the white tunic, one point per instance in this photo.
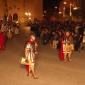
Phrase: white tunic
[29,53]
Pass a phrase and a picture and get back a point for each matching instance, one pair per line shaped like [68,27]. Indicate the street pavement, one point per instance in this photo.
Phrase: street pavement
[49,68]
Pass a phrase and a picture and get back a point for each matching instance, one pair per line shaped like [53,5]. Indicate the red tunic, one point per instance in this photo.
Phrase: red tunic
[27,66]
[61,54]
[2,41]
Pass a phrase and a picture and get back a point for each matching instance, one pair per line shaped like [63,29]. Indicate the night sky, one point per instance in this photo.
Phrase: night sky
[49,7]
[49,4]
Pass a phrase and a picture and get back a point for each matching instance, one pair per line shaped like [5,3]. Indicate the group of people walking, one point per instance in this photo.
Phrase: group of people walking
[65,39]
[7,31]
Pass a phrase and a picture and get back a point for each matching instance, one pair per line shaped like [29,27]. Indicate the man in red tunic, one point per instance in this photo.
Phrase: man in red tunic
[2,41]
[66,37]
[61,54]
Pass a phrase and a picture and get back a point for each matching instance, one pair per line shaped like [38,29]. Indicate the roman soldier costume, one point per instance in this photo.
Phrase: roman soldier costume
[67,49]
[30,51]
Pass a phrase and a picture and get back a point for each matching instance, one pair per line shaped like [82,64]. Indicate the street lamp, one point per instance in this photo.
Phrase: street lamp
[60,12]
[70,13]
[75,8]
[55,7]
[64,11]
[68,8]
[28,15]
[65,3]
[64,8]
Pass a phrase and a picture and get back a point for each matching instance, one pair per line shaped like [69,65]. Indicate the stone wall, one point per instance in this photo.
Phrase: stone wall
[22,6]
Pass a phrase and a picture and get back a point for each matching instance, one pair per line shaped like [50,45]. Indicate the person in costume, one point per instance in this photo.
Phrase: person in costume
[9,34]
[2,41]
[65,38]
[61,54]
[30,53]
[67,49]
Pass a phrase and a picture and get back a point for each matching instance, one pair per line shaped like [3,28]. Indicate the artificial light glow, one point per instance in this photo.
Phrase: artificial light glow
[29,14]
[70,4]
[17,21]
[29,18]
[26,13]
[60,12]
[65,3]
[55,7]
[75,8]
[45,11]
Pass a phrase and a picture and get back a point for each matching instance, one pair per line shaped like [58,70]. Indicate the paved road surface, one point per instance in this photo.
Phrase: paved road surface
[49,69]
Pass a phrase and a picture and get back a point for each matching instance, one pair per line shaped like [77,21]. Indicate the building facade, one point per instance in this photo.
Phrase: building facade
[23,8]
[83,7]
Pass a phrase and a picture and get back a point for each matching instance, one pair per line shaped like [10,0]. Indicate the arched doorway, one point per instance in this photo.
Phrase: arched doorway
[15,17]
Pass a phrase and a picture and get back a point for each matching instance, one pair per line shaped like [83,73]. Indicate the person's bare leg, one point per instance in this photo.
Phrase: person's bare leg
[65,57]
[69,56]
[33,72]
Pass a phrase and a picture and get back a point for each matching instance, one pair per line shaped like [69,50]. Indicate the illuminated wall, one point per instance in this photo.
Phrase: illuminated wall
[35,7]
[22,6]
[83,7]
[1,9]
